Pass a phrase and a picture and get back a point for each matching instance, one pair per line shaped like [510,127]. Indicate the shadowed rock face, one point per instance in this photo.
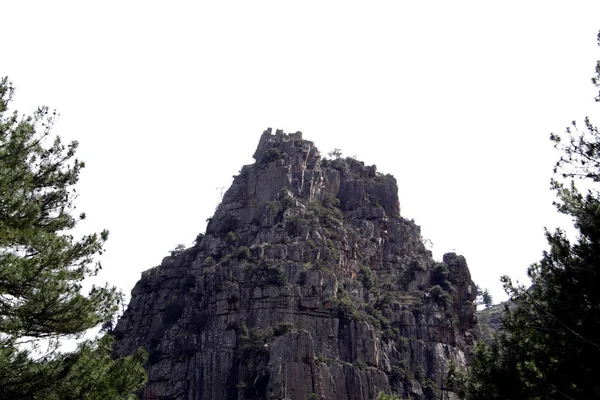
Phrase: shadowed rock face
[308,284]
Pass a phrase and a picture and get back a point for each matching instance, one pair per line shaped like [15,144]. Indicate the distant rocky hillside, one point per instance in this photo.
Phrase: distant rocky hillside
[308,284]
[489,321]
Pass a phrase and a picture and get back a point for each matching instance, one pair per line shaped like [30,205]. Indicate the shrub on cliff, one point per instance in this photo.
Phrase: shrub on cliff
[42,267]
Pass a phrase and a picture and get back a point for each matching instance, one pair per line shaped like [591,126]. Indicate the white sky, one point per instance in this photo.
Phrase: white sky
[168,101]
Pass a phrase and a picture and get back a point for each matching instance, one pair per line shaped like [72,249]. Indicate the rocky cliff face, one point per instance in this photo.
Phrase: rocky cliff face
[308,284]
[489,322]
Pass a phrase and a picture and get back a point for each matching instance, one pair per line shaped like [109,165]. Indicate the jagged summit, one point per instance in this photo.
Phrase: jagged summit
[308,284]
[288,164]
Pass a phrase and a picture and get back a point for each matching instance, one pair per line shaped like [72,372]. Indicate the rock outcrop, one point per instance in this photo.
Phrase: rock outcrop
[489,322]
[308,284]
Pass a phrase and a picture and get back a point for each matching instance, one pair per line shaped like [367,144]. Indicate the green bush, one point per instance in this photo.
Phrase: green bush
[272,207]
[178,250]
[283,328]
[209,261]
[244,333]
[270,156]
[439,296]
[232,237]
[321,359]
[243,253]
[335,253]
[276,276]
[294,224]
[330,216]
[383,396]
[439,274]
[346,307]
[286,199]
[365,275]
[254,341]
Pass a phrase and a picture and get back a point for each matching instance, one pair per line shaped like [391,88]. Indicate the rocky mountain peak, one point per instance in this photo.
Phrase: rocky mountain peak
[307,284]
[289,166]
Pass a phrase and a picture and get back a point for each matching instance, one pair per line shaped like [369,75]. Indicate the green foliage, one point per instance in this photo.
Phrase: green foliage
[335,153]
[286,199]
[270,155]
[549,347]
[430,388]
[360,365]
[42,268]
[383,396]
[198,239]
[375,202]
[394,335]
[457,379]
[335,252]
[330,202]
[376,318]
[346,307]
[440,277]
[232,237]
[243,253]
[439,296]
[209,261]
[106,377]
[328,212]
[255,340]
[439,274]
[365,275]
[321,359]
[244,333]
[178,250]
[276,276]
[272,207]
[420,373]
[487,299]
[400,376]
[283,328]
[417,265]
[484,297]
[295,224]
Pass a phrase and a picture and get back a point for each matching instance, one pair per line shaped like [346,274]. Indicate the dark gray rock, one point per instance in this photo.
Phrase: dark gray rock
[307,284]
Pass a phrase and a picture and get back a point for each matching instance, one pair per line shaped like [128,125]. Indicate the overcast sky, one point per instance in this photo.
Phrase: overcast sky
[168,100]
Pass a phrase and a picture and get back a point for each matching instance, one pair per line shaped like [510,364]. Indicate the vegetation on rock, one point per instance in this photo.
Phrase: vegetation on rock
[307,284]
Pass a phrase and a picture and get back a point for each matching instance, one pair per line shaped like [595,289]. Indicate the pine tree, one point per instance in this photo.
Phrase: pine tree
[551,343]
[484,297]
[42,267]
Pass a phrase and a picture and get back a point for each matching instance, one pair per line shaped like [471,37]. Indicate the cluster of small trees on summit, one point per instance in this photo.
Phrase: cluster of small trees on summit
[548,349]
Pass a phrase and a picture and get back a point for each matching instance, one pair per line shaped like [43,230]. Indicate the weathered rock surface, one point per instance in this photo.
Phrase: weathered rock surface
[308,284]
[489,322]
